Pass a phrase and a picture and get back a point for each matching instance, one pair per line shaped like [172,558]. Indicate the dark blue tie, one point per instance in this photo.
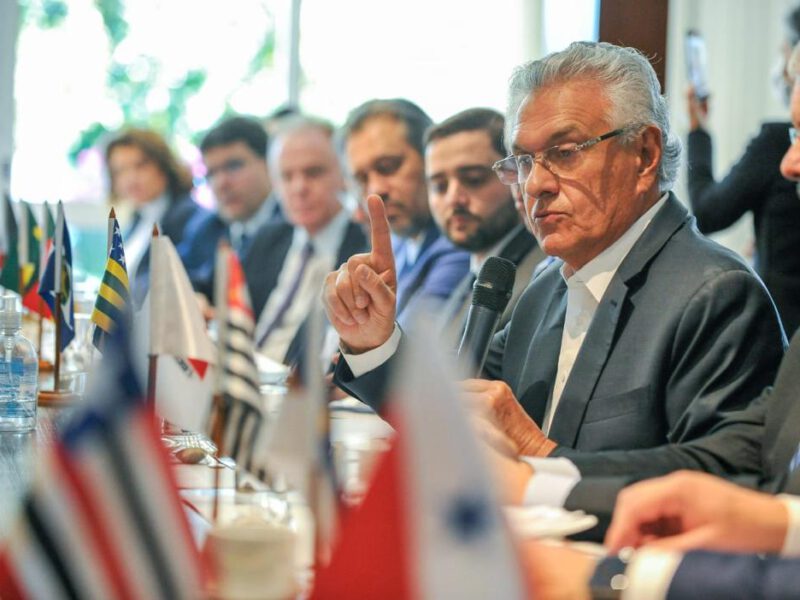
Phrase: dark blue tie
[245,241]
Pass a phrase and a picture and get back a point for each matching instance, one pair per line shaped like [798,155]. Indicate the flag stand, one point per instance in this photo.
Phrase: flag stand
[57,396]
[45,366]
[216,438]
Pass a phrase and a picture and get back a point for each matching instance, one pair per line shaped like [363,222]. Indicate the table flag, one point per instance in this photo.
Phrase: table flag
[430,525]
[103,518]
[60,260]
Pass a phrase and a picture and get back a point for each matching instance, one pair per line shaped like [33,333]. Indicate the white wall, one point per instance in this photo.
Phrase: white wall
[9,17]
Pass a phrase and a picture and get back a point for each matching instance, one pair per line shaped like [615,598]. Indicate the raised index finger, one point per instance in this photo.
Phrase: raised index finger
[381,256]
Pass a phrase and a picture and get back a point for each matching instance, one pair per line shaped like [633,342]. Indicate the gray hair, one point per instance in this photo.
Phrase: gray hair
[630,84]
[295,123]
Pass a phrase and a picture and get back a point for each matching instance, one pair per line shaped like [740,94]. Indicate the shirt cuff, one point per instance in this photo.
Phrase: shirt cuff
[552,481]
[791,545]
[372,359]
[650,574]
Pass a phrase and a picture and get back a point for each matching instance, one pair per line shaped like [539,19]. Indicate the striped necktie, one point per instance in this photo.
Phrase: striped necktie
[305,255]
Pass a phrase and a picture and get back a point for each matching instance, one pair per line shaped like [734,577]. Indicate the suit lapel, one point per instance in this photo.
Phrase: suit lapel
[518,246]
[781,431]
[455,310]
[541,362]
[354,241]
[263,264]
[414,278]
[588,366]
[598,343]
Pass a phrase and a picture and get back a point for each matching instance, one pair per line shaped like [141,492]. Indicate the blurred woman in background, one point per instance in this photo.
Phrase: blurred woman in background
[146,176]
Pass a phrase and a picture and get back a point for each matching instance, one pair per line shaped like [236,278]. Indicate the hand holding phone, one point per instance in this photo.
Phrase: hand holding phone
[697,64]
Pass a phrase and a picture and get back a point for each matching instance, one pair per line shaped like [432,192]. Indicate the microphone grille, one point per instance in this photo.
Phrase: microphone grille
[495,283]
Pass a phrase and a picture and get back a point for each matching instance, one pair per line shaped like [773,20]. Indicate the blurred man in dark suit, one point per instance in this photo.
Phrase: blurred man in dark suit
[289,259]
[473,208]
[235,156]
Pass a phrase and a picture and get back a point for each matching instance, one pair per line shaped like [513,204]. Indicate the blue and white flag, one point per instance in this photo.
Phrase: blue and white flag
[60,261]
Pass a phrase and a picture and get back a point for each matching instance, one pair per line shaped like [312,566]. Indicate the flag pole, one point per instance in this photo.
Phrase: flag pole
[44,365]
[22,247]
[112,216]
[58,248]
[152,358]
[221,284]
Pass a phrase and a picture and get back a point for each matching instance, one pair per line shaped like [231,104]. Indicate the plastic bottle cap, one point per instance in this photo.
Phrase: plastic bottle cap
[10,314]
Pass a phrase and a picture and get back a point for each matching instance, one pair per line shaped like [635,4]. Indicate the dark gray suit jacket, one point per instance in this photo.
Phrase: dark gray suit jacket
[760,441]
[683,339]
[264,261]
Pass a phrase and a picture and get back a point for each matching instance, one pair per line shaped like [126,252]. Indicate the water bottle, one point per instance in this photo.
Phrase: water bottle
[19,371]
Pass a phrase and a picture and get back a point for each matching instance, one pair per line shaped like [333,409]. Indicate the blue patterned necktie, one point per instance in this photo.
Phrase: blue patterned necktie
[245,241]
[305,254]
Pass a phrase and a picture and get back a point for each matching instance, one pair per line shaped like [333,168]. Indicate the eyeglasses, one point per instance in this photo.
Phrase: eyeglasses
[559,160]
[792,136]
[229,167]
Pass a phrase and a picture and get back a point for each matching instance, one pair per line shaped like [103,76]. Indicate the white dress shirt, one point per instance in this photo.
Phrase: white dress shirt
[237,229]
[585,290]
[408,252]
[326,244]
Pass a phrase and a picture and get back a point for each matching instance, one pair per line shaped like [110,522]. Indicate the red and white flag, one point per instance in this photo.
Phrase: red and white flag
[171,326]
[430,525]
[240,417]
[177,326]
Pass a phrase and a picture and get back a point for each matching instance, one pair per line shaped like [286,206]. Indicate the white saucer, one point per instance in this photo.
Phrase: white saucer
[547,521]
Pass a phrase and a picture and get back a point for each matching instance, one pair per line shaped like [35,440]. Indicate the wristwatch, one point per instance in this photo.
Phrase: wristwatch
[609,580]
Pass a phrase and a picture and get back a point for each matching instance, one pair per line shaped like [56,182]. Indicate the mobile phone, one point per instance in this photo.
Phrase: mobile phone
[697,63]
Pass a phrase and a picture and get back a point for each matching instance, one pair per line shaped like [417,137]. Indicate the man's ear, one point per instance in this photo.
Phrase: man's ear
[649,156]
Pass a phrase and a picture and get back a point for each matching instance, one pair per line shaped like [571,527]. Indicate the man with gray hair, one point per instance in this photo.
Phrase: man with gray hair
[643,336]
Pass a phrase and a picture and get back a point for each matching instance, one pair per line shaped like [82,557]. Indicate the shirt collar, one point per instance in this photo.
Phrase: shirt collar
[476,263]
[413,245]
[596,275]
[328,239]
[251,225]
[152,212]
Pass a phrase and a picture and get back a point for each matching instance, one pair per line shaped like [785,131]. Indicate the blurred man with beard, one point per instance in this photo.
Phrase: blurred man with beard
[473,208]
[383,148]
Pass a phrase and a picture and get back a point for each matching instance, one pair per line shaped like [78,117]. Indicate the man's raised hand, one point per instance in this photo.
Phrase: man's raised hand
[360,296]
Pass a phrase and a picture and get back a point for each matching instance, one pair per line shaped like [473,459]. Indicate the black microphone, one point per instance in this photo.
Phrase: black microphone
[490,296]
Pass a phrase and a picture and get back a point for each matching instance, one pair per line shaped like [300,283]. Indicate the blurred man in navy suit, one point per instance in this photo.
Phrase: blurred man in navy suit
[235,156]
